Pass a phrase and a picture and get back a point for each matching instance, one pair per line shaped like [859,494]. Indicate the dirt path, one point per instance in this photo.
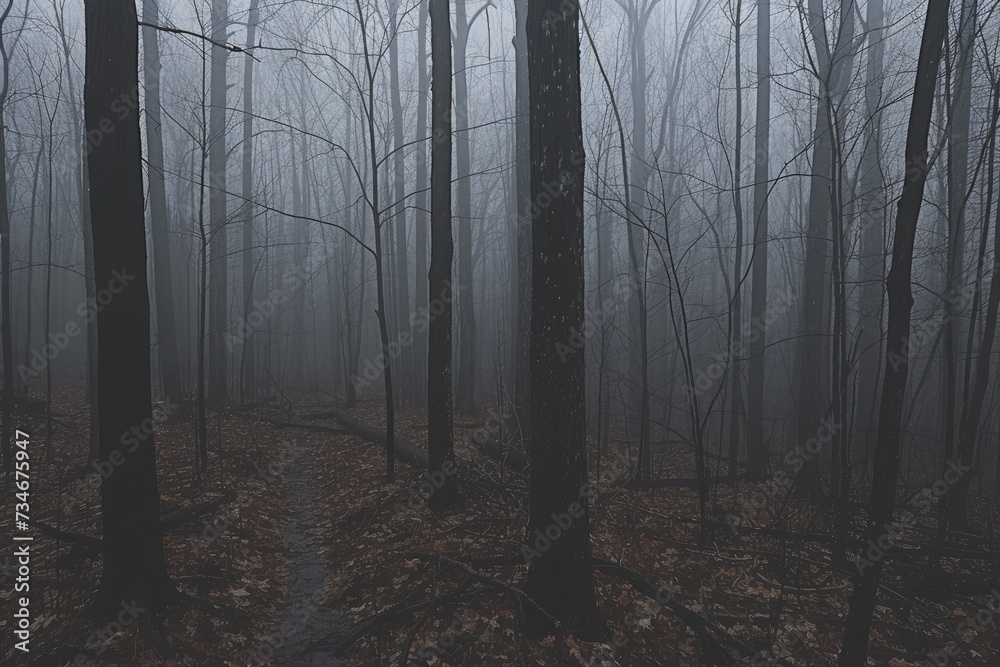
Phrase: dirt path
[306,617]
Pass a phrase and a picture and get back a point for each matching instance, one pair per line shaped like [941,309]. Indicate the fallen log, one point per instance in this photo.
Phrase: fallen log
[406,451]
[683,482]
[318,428]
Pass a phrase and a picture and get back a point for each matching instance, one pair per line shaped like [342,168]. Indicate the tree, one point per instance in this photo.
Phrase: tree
[560,579]
[885,467]
[134,568]
[522,186]
[248,369]
[756,443]
[872,207]
[219,249]
[440,436]
[6,326]
[399,210]
[832,72]
[466,380]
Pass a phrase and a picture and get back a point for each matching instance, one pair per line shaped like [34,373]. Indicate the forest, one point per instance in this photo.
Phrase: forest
[417,333]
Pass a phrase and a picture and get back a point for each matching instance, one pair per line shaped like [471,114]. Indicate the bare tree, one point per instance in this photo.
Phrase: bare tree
[896,367]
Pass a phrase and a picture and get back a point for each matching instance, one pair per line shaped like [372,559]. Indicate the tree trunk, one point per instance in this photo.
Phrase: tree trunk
[896,369]
[466,384]
[440,437]
[399,214]
[6,325]
[248,369]
[420,211]
[872,205]
[559,577]
[134,568]
[756,442]
[218,246]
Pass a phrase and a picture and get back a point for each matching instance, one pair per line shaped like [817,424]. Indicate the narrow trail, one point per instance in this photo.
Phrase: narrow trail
[306,619]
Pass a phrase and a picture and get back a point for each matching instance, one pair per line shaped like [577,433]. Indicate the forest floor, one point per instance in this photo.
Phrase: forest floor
[314,560]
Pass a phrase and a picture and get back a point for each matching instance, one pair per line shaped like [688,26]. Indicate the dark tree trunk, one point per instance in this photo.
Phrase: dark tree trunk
[248,369]
[6,326]
[756,442]
[440,437]
[900,297]
[559,579]
[134,564]
[218,246]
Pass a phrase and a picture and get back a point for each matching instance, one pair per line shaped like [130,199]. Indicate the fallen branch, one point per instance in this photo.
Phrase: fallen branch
[318,428]
[406,451]
[704,628]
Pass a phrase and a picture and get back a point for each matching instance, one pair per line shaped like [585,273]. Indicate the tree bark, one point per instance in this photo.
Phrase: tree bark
[134,569]
[560,578]
[218,245]
[756,442]
[248,369]
[440,437]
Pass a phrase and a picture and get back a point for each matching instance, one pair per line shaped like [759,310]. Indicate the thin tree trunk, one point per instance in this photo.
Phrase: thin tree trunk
[248,368]
[756,442]
[900,297]
[872,207]
[170,368]
[399,213]
[218,245]
[6,325]
[466,382]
